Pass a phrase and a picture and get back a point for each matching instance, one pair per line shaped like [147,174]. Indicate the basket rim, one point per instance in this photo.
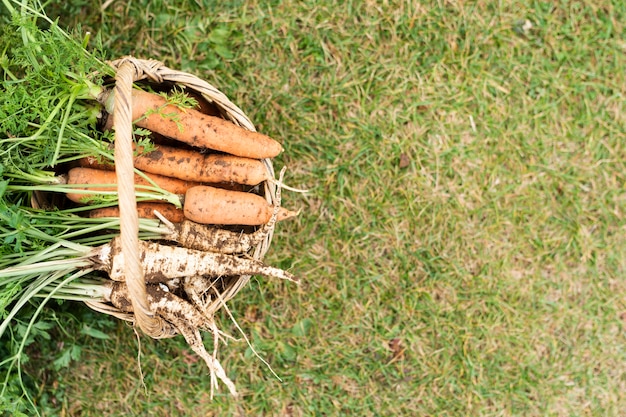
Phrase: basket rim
[156,72]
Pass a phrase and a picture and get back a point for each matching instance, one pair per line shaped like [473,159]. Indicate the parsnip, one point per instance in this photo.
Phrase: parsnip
[162,263]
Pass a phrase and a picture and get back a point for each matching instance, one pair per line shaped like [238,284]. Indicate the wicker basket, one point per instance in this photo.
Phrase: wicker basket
[130,70]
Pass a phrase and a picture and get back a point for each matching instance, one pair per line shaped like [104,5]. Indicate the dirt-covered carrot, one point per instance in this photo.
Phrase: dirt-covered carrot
[207,168]
[93,179]
[144,211]
[231,174]
[210,205]
[152,111]
[192,165]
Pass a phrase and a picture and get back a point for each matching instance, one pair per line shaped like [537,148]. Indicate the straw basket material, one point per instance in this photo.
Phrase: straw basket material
[130,70]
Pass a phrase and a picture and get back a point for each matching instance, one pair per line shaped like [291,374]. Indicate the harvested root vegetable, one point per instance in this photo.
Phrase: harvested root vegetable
[214,239]
[97,180]
[197,236]
[94,163]
[144,211]
[194,166]
[162,263]
[185,317]
[194,340]
[210,205]
[162,301]
[153,112]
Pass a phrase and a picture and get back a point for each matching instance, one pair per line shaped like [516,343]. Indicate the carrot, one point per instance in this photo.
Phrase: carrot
[223,170]
[145,211]
[151,111]
[210,205]
[94,178]
[195,166]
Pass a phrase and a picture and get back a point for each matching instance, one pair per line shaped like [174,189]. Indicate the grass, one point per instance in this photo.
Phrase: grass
[462,247]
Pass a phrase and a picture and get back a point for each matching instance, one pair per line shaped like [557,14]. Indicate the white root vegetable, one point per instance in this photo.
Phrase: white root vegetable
[183,316]
[207,238]
[194,340]
[162,263]
[161,301]
[195,287]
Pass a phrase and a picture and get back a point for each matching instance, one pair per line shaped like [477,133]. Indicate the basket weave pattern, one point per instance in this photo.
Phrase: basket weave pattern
[130,70]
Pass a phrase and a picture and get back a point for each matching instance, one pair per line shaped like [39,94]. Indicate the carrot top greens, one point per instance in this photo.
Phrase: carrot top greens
[50,85]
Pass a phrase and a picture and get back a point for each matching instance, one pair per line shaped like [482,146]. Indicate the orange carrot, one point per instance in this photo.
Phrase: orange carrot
[195,166]
[92,162]
[284,214]
[145,211]
[210,205]
[92,177]
[190,126]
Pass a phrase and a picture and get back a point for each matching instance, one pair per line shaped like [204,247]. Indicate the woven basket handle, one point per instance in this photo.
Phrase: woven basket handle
[127,73]
[129,70]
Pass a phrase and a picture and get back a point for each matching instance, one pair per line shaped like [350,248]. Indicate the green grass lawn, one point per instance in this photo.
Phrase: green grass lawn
[462,247]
